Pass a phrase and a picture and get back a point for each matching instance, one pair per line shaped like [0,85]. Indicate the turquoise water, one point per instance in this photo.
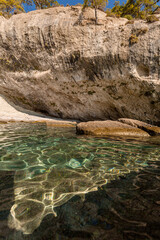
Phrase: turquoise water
[45,171]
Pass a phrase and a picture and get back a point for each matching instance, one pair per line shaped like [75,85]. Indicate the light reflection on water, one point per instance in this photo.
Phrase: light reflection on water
[53,165]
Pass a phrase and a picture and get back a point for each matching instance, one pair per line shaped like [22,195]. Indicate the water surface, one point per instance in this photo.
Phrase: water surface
[56,185]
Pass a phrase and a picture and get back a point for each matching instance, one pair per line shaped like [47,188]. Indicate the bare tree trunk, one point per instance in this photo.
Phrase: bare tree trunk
[80,18]
[96,17]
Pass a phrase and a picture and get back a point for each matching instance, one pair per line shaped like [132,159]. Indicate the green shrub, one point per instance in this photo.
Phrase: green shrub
[130,22]
[91,92]
[133,39]
[140,31]
[152,18]
[111,14]
[129,17]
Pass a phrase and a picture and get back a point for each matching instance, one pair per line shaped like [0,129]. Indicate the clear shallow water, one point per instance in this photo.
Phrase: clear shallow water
[56,185]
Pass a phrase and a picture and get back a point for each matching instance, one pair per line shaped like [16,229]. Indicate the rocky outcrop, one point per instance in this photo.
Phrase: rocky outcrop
[50,64]
[152,130]
[122,127]
[109,128]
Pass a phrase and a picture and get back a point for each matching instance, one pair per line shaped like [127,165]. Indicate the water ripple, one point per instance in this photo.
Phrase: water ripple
[52,166]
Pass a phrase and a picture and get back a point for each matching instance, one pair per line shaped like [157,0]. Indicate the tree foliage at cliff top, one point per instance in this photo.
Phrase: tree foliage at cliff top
[95,4]
[133,8]
[8,7]
[42,4]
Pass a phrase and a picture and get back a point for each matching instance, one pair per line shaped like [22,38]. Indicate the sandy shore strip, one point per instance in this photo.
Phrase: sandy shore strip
[12,113]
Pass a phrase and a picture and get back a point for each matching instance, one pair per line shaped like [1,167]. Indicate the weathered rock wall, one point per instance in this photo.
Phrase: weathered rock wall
[50,64]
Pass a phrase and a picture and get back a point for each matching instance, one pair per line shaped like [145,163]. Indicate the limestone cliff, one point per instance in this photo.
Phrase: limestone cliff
[51,64]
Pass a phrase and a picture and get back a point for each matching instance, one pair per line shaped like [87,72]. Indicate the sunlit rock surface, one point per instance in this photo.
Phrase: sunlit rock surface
[50,64]
[110,128]
[150,129]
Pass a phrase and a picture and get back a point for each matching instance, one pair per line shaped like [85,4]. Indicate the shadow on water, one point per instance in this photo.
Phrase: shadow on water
[127,208]
[72,187]
[6,201]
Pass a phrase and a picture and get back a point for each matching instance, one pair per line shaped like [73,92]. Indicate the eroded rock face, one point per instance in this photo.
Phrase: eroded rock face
[50,64]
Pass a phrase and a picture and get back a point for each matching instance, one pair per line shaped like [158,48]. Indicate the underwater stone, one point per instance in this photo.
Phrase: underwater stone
[73,163]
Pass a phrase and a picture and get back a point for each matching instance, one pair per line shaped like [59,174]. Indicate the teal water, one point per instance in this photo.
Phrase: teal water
[49,172]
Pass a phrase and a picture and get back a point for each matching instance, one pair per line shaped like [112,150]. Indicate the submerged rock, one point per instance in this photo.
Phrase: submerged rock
[109,128]
[74,163]
[52,65]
